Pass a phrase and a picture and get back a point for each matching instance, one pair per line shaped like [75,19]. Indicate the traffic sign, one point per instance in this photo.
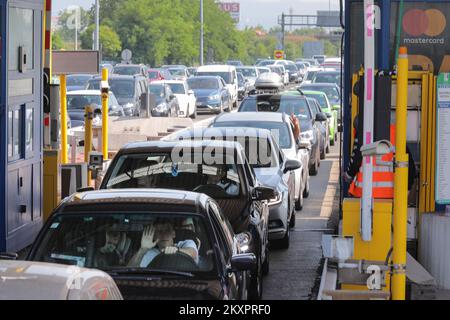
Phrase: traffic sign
[279,54]
[127,55]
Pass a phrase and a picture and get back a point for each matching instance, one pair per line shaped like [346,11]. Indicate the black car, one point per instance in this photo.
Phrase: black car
[129,91]
[77,81]
[217,168]
[211,92]
[291,104]
[107,230]
[166,103]
[131,69]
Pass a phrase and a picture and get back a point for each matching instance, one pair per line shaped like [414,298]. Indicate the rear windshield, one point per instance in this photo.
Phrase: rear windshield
[284,104]
[127,71]
[225,75]
[203,83]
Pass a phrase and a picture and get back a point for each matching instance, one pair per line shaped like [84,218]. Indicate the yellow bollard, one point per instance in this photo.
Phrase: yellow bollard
[401,181]
[105,116]
[88,117]
[64,151]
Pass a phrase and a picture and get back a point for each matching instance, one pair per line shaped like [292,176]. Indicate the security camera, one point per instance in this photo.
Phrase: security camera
[378,148]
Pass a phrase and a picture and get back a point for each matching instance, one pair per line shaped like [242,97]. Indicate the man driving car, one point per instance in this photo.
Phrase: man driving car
[158,238]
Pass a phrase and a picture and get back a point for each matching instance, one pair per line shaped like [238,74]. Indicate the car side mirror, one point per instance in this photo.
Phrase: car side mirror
[329,115]
[291,165]
[263,193]
[243,262]
[304,144]
[8,256]
[321,117]
[172,96]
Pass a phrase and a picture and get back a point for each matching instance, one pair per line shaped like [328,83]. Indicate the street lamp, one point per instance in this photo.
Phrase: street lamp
[97,26]
[201,32]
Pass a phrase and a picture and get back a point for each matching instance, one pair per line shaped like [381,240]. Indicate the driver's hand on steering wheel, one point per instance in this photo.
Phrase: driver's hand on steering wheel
[170,250]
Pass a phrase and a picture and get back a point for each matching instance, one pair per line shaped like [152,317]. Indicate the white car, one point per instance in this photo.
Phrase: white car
[186,98]
[229,75]
[310,74]
[251,73]
[29,280]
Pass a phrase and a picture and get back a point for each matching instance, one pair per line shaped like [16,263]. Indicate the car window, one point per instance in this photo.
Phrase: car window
[320,98]
[112,240]
[226,76]
[248,72]
[177,88]
[220,178]
[282,104]
[79,102]
[127,70]
[203,83]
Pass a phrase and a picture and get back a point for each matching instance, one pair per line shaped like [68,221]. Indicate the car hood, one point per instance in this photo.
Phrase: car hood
[205,92]
[167,288]
[269,177]
[78,114]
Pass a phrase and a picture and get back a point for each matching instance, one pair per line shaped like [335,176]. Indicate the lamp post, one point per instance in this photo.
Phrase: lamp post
[97,26]
[201,32]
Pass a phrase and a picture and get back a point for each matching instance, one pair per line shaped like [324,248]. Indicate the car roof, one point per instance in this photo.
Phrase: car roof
[170,81]
[41,280]
[205,77]
[319,93]
[218,68]
[251,116]
[120,76]
[85,92]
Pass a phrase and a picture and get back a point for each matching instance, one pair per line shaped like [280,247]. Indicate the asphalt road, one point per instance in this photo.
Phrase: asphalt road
[295,272]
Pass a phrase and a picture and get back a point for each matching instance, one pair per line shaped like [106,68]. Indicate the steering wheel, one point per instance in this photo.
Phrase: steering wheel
[211,190]
[179,261]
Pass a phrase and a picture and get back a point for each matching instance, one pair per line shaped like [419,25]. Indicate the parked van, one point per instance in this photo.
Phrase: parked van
[229,75]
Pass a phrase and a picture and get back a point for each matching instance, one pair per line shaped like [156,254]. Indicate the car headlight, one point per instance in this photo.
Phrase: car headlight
[161,107]
[214,97]
[244,240]
[277,200]
[308,135]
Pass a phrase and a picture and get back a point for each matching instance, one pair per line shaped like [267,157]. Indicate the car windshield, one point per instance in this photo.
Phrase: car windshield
[331,92]
[153,74]
[248,72]
[311,74]
[279,130]
[216,175]
[177,72]
[285,104]
[177,88]
[320,98]
[263,70]
[111,241]
[122,88]
[127,70]
[291,67]
[328,78]
[79,102]
[199,83]
[225,75]
[80,81]
[241,78]
[265,63]
[157,90]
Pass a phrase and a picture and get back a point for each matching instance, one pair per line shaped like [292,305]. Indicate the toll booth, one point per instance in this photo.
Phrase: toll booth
[21,121]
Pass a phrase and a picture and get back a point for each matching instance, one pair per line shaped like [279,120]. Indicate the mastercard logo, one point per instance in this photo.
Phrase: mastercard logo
[430,22]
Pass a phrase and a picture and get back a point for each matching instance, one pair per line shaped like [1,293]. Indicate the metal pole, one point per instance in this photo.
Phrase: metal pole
[76,30]
[282,31]
[105,117]
[97,26]
[369,95]
[63,82]
[401,180]
[201,32]
[88,117]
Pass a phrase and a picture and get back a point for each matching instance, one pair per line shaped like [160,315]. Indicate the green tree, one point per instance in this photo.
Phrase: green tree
[57,42]
[109,41]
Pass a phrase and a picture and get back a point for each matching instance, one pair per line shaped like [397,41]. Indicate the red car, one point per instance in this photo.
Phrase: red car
[155,75]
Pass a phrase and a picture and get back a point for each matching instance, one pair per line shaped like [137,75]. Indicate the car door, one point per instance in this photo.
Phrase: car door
[231,281]
[225,93]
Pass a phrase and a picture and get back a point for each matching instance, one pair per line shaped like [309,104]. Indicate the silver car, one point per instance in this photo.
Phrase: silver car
[28,280]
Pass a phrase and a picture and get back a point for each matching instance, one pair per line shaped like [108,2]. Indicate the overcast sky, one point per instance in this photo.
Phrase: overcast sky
[253,12]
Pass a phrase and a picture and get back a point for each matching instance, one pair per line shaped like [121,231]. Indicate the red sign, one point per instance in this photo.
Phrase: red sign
[233,8]
[279,54]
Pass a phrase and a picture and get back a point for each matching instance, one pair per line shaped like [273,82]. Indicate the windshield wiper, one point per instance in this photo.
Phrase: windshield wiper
[148,271]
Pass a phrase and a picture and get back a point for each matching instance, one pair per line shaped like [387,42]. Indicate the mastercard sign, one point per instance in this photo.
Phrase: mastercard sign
[430,23]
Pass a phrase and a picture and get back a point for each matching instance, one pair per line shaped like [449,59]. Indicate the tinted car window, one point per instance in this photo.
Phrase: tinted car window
[122,88]
[157,90]
[127,70]
[159,171]
[177,88]
[320,98]
[78,80]
[198,83]
[328,78]
[283,104]
[331,92]
[226,76]
[111,240]
[248,72]
[279,130]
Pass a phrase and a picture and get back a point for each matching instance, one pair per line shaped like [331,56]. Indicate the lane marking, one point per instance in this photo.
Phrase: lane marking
[328,199]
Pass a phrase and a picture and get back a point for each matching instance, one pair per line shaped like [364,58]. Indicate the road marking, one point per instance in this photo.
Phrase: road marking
[328,199]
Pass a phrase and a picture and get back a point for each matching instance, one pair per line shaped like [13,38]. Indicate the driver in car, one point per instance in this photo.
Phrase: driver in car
[158,238]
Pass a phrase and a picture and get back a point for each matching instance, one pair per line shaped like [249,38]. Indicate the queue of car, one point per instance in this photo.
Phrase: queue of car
[194,216]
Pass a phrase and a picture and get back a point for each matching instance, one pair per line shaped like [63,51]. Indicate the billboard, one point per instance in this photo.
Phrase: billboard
[233,8]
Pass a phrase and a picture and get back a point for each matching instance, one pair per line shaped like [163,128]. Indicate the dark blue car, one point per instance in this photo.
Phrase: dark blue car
[211,93]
